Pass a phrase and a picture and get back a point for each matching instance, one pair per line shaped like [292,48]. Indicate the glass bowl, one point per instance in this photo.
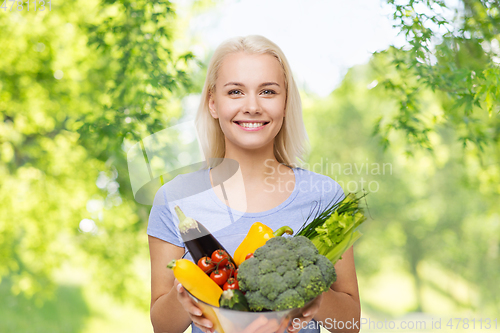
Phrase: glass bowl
[233,321]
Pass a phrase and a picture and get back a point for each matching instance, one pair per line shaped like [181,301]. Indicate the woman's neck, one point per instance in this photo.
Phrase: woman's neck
[252,180]
[256,164]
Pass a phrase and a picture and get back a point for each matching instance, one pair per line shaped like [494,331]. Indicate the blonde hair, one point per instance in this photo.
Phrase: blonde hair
[291,142]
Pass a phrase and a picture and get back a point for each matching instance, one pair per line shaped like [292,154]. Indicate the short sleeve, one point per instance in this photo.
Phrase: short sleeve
[161,223]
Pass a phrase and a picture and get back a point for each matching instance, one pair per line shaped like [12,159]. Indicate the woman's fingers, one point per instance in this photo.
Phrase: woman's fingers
[193,310]
[271,326]
[296,325]
[187,302]
[306,315]
[202,322]
[256,325]
[284,325]
[312,308]
[262,325]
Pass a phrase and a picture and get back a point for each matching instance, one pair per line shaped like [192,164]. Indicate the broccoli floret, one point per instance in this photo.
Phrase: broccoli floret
[301,242]
[285,273]
[291,279]
[258,301]
[260,253]
[266,266]
[308,256]
[248,275]
[278,242]
[286,266]
[311,283]
[272,245]
[280,253]
[272,285]
[288,300]
[327,270]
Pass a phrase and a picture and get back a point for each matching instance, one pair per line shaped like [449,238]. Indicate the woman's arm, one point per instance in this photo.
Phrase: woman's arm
[167,313]
[339,304]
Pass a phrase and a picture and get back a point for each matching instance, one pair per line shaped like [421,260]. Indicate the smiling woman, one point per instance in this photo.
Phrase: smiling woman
[250,117]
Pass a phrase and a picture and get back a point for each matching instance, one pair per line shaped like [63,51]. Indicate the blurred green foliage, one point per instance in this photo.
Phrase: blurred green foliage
[66,312]
[431,207]
[76,83]
[439,209]
[437,102]
[442,109]
[454,51]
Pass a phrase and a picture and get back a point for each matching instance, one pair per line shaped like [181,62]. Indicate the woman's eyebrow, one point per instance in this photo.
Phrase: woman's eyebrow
[265,84]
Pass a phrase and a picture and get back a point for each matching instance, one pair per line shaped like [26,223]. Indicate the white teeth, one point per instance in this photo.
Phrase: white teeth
[251,125]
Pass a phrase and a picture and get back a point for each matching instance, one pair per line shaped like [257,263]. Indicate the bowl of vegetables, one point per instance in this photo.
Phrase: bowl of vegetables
[269,278]
[266,291]
[268,288]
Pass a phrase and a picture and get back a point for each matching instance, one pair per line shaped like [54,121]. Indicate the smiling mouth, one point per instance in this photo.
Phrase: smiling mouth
[251,124]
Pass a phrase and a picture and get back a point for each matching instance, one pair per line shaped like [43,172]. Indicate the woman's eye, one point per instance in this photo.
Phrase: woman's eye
[268,92]
[234,92]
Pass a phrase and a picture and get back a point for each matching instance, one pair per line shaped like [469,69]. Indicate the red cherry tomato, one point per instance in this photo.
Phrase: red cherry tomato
[229,268]
[250,255]
[206,264]
[219,277]
[231,283]
[220,258]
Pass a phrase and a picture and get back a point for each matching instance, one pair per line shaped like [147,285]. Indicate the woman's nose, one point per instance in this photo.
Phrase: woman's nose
[252,105]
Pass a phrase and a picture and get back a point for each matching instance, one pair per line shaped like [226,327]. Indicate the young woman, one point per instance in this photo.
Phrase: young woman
[250,122]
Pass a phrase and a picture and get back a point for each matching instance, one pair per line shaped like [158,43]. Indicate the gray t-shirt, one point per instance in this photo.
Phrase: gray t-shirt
[193,193]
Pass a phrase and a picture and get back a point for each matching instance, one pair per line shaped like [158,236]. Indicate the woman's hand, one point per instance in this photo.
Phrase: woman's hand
[192,309]
[261,325]
[306,315]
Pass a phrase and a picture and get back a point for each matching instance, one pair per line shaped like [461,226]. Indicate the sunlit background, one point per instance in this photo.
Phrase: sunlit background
[407,112]
[322,39]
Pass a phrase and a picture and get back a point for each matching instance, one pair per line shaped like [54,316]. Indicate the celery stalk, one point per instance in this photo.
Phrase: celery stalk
[335,253]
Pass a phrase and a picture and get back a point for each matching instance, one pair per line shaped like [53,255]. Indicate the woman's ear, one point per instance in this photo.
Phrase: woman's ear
[211,107]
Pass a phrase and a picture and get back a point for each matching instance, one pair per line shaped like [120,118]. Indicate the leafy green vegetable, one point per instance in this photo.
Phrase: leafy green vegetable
[333,231]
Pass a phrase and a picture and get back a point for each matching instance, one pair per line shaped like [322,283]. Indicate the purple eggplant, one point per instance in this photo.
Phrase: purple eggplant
[198,240]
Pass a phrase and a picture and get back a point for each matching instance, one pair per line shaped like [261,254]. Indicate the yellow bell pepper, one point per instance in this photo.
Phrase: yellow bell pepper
[257,236]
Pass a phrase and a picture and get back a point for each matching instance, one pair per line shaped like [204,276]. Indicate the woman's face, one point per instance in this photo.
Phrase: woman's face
[249,100]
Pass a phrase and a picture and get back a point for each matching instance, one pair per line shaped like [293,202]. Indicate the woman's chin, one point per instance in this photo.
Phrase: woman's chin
[253,146]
